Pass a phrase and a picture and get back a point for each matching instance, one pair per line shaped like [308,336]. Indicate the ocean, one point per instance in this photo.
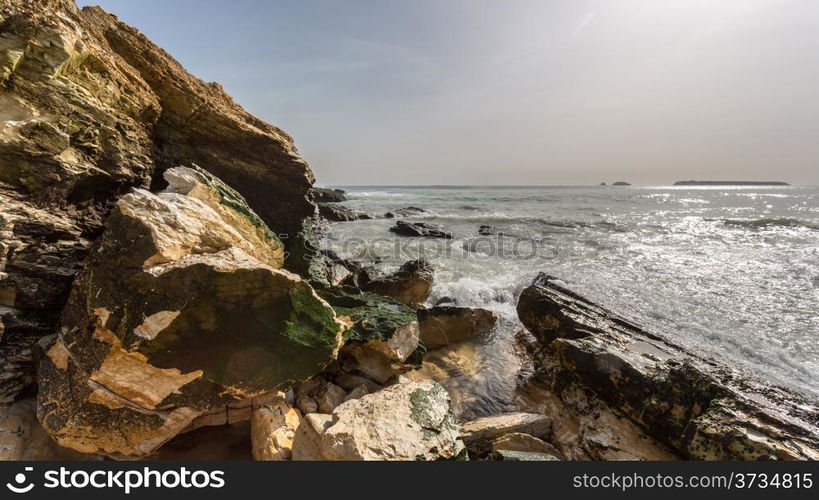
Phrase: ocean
[729,272]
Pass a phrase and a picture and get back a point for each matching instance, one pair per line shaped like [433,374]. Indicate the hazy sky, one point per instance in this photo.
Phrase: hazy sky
[515,91]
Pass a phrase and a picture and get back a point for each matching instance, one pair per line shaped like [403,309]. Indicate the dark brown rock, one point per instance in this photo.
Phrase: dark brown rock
[419,229]
[697,408]
[444,325]
[337,213]
[410,285]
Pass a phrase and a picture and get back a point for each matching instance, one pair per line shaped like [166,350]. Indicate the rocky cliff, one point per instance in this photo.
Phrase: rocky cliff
[90,108]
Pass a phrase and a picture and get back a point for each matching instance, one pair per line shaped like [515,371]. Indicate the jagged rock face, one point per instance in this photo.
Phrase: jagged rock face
[419,229]
[88,109]
[182,311]
[383,334]
[410,285]
[690,404]
[406,421]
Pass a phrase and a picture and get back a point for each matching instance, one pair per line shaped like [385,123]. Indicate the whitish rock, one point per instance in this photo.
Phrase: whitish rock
[272,428]
[406,421]
[479,434]
[356,393]
[181,312]
[444,325]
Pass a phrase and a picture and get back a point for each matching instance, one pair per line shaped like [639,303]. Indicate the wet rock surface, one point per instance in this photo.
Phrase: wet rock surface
[592,357]
[444,325]
[410,285]
[337,213]
[419,229]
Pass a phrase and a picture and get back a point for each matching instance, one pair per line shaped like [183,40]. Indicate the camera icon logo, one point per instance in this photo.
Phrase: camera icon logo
[20,480]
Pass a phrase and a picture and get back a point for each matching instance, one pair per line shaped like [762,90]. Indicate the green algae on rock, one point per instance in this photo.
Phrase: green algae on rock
[181,312]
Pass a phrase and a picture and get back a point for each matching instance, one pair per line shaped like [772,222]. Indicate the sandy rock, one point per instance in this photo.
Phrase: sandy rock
[186,280]
[350,382]
[479,434]
[329,397]
[22,437]
[356,393]
[525,443]
[444,325]
[406,421]
[410,285]
[272,428]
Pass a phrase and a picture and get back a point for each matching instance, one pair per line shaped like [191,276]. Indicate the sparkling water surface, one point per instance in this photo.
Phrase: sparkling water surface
[732,272]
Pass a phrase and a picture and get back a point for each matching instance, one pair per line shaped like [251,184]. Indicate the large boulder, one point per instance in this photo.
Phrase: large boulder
[90,108]
[181,312]
[406,421]
[695,407]
[410,285]
[444,325]
[383,334]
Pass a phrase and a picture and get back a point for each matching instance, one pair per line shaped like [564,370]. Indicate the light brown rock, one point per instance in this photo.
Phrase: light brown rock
[272,428]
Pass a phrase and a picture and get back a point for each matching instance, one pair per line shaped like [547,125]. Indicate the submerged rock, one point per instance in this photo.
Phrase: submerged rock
[692,405]
[404,212]
[181,312]
[406,421]
[410,285]
[419,229]
[444,325]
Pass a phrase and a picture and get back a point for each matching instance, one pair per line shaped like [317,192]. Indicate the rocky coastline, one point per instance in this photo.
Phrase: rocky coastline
[163,295]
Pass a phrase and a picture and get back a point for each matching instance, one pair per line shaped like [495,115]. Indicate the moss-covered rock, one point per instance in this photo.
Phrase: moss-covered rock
[181,312]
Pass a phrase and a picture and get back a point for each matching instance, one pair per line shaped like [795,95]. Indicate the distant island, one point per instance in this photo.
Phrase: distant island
[620,183]
[731,183]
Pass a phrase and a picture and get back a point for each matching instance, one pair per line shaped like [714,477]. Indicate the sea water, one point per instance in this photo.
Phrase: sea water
[731,272]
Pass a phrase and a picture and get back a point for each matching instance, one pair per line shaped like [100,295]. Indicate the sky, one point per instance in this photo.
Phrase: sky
[523,92]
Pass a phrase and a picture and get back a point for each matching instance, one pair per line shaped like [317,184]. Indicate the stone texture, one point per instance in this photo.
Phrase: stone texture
[410,285]
[272,428]
[694,406]
[524,443]
[327,195]
[419,229]
[337,213]
[443,325]
[22,437]
[180,313]
[479,434]
[89,108]
[406,421]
